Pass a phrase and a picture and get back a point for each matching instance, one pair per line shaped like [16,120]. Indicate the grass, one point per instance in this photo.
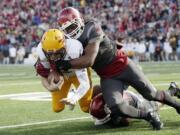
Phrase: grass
[22,79]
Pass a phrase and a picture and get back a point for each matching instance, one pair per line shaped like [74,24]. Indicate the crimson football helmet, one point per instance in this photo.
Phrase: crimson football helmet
[71,22]
[101,113]
[99,110]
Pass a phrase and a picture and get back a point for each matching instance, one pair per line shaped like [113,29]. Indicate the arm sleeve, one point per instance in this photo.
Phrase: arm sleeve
[81,74]
[74,49]
[42,66]
[84,85]
[40,52]
[95,33]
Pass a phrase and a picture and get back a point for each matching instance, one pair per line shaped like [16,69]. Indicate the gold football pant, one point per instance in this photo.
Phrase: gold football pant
[84,102]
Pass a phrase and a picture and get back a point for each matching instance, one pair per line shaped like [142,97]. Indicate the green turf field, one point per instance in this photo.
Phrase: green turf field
[20,117]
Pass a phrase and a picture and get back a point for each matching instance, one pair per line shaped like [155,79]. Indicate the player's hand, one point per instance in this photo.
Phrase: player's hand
[68,102]
[55,86]
[63,65]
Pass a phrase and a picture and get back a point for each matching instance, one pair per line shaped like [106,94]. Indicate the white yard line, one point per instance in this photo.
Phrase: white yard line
[29,96]
[53,121]
[38,82]
[22,83]
[43,122]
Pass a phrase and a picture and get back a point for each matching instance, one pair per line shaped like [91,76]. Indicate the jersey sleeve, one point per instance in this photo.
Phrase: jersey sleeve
[95,32]
[83,87]
[74,49]
[42,65]
[40,53]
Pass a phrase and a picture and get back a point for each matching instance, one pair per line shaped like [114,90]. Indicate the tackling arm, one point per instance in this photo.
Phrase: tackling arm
[87,60]
[94,37]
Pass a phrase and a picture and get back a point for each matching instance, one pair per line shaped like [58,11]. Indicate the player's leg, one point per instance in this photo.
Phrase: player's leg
[137,79]
[112,92]
[85,101]
[57,106]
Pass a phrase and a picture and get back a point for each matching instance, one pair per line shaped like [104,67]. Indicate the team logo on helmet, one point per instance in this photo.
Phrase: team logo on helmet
[53,44]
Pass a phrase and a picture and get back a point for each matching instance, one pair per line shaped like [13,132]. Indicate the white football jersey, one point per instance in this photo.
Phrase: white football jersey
[74,49]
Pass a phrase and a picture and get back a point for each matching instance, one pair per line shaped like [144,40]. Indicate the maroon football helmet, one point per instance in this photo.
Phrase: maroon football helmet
[101,113]
[71,22]
[99,110]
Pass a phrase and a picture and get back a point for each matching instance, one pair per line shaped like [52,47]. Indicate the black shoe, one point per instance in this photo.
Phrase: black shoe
[173,88]
[154,120]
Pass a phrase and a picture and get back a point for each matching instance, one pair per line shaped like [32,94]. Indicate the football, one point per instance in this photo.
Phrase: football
[54,75]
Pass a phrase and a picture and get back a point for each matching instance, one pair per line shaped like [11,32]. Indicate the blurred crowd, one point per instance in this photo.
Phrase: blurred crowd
[148,29]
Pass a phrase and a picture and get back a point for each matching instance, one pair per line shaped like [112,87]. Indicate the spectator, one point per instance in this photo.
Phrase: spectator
[173,43]
[158,52]
[20,55]
[167,50]
[6,54]
[12,54]
[151,50]
[24,21]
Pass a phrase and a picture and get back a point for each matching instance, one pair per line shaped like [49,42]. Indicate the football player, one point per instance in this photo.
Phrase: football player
[102,114]
[52,47]
[112,65]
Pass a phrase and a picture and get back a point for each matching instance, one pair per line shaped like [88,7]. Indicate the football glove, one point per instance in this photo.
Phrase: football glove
[41,69]
[63,65]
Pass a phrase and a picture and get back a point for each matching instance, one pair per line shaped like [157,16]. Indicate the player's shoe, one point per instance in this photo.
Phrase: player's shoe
[173,87]
[154,120]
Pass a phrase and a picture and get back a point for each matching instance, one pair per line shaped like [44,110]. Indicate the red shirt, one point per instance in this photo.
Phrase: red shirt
[115,67]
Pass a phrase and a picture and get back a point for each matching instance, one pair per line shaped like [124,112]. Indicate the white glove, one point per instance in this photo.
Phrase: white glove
[70,100]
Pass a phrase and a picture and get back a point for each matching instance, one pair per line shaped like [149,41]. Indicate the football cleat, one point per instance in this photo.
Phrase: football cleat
[174,89]
[154,120]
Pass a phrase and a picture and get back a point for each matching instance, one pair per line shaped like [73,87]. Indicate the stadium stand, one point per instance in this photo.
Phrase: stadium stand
[149,29]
